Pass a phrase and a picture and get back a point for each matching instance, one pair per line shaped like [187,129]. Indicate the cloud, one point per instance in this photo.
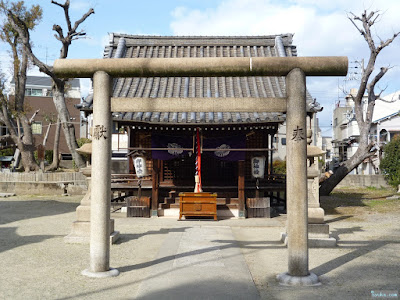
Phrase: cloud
[86,85]
[320,28]
[80,6]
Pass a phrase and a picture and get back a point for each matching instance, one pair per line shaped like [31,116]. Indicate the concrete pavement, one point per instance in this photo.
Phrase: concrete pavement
[198,264]
[163,257]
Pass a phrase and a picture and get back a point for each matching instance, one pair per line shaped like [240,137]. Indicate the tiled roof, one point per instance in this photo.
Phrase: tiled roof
[45,81]
[134,46]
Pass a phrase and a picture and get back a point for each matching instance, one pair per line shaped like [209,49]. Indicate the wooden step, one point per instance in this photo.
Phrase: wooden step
[174,205]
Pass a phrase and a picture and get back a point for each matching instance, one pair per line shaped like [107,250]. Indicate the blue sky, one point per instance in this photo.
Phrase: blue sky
[320,28]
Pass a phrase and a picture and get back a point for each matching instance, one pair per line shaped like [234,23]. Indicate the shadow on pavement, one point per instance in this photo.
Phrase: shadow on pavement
[203,289]
[124,238]
[360,247]
[12,211]
[339,231]
[219,246]
[9,238]
[335,200]
[338,219]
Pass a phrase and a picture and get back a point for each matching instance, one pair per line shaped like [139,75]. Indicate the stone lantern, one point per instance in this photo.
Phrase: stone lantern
[80,233]
[318,231]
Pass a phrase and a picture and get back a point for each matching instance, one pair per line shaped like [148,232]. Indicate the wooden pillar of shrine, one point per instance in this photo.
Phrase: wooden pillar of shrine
[155,177]
[241,187]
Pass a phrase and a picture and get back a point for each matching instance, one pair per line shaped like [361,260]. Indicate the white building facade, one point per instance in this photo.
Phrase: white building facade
[346,134]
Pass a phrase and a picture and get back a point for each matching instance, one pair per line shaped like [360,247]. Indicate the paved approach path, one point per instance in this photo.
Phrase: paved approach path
[164,257]
[203,262]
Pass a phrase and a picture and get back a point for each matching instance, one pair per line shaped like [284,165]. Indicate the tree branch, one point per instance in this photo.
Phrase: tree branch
[84,17]
[58,29]
[387,42]
[374,81]
[355,25]
[56,3]
[389,101]
[72,34]
[65,7]
[19,26]
[374,20]
[33,117]
[371,94]
[6,119]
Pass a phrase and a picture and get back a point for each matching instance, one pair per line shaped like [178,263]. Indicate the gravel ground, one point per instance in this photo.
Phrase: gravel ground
[35,262]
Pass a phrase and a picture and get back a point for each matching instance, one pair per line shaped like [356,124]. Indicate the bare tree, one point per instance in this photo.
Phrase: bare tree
[59,84]
[12,113]
[363,115]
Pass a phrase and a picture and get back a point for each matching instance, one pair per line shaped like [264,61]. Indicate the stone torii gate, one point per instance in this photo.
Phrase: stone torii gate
[294,104]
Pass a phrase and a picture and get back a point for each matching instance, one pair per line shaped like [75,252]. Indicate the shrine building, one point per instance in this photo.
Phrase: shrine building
[228,140]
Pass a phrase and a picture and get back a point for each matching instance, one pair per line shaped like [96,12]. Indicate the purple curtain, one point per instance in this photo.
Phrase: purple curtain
[226,143]
[173,142]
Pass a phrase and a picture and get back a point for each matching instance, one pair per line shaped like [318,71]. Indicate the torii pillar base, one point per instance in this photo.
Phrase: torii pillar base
[110,273]
[288,280]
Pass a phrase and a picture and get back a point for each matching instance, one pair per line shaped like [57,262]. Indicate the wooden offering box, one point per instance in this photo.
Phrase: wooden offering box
[197,204]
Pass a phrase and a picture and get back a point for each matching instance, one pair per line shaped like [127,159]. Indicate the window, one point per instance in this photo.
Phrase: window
[37,127]
[33,92]
[335,122]
[283,140]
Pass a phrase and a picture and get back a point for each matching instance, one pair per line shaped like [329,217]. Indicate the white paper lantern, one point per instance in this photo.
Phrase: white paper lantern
[140,166]
[258,166]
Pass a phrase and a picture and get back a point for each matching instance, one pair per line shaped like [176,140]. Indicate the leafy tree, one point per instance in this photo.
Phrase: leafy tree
[13,113]
[390,163]
[363,114]
[279,166]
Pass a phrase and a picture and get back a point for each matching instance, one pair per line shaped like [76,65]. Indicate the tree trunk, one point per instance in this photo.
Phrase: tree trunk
[346,167]
[56,159]
[25,142]
[27,146]
[68,128]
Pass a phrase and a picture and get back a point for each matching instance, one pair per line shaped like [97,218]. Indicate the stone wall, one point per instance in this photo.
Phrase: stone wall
[42,183]
[364,181]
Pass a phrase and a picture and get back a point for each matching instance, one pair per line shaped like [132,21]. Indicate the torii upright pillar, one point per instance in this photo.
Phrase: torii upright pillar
[101,179]
[296,185]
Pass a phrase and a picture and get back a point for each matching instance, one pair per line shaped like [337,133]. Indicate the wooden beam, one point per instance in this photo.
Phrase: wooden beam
[199,104]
